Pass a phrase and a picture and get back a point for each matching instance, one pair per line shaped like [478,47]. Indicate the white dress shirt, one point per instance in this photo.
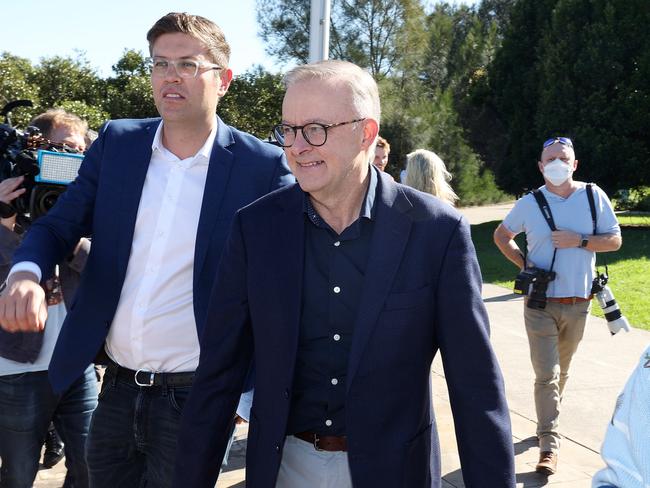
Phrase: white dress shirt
[154,327]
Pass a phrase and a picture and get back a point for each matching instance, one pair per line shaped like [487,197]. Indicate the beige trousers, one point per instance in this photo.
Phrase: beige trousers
[304,467]
[553,335]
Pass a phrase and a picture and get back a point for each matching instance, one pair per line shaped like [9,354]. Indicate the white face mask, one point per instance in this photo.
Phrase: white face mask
[557,172]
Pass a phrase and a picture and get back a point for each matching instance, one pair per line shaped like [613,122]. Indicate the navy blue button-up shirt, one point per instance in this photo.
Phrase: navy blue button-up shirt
[334,271]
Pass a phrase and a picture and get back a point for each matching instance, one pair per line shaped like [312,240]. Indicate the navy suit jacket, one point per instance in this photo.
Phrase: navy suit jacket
[422,293]
[103,203]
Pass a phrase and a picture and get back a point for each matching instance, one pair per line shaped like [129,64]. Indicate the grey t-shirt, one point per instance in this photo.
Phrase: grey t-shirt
[574,267]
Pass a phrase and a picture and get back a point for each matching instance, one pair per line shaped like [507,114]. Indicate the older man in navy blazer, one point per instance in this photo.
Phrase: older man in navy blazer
[343,288]
[157,197]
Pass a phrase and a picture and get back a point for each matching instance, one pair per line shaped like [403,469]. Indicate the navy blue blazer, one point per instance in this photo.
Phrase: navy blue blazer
[103,203]
[422,293]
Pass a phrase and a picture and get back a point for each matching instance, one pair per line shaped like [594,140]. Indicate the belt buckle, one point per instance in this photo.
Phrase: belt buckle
[316,442]
[151,378]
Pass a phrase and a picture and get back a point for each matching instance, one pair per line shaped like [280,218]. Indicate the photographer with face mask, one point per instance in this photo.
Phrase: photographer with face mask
[557,274]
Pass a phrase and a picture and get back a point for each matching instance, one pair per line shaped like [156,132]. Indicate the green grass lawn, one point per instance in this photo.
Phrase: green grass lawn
[633,219]
[629,267]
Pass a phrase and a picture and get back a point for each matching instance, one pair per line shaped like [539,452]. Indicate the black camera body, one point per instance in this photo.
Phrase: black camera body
[533,283]
[47,168]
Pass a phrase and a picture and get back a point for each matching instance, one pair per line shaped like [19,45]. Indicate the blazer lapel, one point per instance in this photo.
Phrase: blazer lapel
[138,157]
[388,242]
[221,160]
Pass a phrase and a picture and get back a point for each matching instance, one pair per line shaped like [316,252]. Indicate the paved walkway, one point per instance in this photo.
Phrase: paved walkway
[599,370]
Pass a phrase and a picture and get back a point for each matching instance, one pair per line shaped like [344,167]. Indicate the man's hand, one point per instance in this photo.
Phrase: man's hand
[9,191]
[562,239]
[23,307]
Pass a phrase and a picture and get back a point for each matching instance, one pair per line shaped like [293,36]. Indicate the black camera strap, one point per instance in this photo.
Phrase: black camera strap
[548,216]
[592,205]
[594,219]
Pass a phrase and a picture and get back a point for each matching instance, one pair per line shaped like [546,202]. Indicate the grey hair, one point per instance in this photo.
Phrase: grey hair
[365,94]
[425,171]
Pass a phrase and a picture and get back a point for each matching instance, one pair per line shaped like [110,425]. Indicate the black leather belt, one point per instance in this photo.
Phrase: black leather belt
[331,443]
[142,377]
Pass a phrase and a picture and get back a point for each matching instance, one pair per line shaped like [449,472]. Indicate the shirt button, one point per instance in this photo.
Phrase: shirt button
[337,337]
[335,381]
[337,289]
[337,243]
[328,422]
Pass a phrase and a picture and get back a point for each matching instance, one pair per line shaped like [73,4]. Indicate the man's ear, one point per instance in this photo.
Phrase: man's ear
[540,165]
[370,131]
[224,78]
[575,164]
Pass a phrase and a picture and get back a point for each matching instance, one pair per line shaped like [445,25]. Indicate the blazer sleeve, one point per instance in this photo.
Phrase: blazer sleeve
[226,352]
[53,237]
[474,380]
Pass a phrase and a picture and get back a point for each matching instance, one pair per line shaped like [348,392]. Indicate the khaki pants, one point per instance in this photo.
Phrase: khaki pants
[553,335]
[304,467]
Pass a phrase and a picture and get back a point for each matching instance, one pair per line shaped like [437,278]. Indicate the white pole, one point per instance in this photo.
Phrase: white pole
[319,30]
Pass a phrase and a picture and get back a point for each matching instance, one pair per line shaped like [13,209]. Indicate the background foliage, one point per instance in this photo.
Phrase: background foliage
[480,86]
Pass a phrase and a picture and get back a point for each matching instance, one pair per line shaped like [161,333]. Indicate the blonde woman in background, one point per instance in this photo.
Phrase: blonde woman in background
[425,171]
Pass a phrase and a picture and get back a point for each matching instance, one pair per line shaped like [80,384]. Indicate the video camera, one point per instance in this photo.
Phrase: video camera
[48,168]
[615,319]
[533,282]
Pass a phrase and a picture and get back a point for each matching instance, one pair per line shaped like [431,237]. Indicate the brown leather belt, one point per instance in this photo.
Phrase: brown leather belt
[569,300]
[331,443]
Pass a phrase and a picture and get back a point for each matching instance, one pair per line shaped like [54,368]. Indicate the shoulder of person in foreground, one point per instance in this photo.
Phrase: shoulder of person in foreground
[626,448]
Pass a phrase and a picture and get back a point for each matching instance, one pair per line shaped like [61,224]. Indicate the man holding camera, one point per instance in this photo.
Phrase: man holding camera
[158,197]
[559,266]
[27,401]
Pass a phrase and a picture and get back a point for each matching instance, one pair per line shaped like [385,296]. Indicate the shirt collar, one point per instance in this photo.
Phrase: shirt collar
[202,156]
[367,207]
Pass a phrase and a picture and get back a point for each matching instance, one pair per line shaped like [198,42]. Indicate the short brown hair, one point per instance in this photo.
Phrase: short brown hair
[381,142]
[202,29]
[57,117]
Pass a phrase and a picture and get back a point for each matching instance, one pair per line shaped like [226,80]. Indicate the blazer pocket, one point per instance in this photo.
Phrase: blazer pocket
[409,299]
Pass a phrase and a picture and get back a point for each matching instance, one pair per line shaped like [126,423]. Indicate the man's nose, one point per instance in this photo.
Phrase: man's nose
[300,144]
[172,73]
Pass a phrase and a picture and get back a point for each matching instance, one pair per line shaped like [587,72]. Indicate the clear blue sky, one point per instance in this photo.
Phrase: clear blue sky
[103,29]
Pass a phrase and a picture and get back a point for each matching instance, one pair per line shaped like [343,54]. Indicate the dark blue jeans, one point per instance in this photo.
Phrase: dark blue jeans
[27,404]
[133,434]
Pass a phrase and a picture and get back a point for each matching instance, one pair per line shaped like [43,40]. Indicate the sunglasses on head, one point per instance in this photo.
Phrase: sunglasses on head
[562,140]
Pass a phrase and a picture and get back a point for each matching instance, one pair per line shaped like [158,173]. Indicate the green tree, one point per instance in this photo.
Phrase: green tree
[598,93]
[366,32]
[64,78]
[253,102]
[578,68]
[15,73]
[426,104]
[128,93]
